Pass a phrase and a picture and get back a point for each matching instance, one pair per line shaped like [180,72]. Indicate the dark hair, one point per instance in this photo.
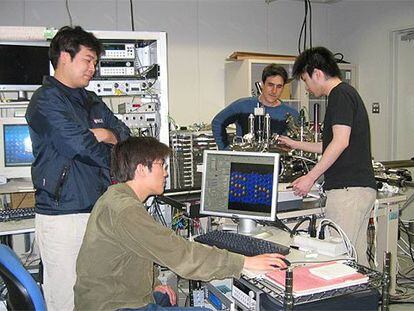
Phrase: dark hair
[316,58]
[128,154]
[274,70]
[69,39]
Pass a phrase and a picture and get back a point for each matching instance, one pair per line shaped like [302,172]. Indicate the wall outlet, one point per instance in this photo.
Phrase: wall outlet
[375,107]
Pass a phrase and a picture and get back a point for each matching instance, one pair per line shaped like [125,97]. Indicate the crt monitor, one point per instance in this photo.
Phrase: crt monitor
[242,185]
[16,154]
[23,65]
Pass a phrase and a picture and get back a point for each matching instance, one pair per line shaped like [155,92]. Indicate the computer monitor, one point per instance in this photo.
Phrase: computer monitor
[16,154]
[23,65]
[242,185]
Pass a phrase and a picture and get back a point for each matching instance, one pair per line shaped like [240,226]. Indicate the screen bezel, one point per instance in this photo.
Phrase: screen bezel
[23,171]
[236,214]
[8,87]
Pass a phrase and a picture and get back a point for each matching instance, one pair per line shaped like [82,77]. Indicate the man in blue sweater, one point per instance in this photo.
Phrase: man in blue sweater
[274,79]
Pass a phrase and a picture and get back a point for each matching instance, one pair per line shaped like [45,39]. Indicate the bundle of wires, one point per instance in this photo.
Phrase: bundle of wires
[305,26]
[181,222]
[351,252]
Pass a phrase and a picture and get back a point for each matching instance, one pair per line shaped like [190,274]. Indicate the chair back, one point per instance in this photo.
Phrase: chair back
[22,291]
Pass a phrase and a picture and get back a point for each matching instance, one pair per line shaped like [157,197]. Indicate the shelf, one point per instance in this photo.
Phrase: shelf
[278,294]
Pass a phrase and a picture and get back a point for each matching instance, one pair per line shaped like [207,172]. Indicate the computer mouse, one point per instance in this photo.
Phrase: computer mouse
[287,262]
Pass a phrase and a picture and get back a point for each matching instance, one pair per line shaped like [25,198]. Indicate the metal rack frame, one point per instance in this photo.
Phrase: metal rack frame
[377,280]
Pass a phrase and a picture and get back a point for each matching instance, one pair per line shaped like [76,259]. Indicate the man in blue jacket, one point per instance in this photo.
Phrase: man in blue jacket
[274,78]
[72,133]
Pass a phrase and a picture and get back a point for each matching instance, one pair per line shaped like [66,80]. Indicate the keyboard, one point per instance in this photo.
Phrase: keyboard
[241,244]
[16,214]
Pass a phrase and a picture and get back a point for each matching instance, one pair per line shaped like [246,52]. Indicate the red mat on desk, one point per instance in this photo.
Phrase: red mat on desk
[306,283]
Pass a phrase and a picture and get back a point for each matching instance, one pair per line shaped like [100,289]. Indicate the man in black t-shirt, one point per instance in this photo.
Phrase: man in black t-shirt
[346,153]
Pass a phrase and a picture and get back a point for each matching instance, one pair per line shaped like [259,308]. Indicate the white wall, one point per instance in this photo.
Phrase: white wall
[361,30]
[201,35]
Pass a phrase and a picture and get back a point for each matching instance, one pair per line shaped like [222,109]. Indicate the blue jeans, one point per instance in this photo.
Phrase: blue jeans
[162,303]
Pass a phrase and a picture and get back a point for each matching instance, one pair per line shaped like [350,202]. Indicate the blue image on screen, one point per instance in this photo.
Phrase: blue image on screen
[17,145]
[251,187]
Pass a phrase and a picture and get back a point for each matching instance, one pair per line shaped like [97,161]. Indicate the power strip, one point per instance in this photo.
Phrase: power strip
[330,246]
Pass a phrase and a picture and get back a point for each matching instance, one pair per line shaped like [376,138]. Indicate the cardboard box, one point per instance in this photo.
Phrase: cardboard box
[22,200]
[286,94]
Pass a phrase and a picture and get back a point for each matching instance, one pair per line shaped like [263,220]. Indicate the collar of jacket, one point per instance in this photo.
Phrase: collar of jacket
[68,91]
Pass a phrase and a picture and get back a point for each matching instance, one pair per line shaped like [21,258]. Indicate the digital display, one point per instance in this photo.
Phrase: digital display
[115,47]
[240,184]
[250,187]
[120,64]
[17,145]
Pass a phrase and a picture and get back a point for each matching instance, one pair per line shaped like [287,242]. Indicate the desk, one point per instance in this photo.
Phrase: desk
[17,185]
[17,227]
[9,228]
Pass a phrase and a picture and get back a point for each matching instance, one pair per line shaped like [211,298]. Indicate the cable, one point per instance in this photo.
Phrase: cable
[26,263]
[69,14]
[301,31]
[300,262]
[403,250]
[321,235]
[156,212]
[408,202]
[304,27]
[340,59]
[305,21]
[310,24]
[277,223]
[348,244]
[304,159]
[295,228]
[407,232]
[131,11]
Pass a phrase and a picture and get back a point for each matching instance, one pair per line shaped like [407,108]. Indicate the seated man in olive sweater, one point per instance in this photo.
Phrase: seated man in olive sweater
[115,266]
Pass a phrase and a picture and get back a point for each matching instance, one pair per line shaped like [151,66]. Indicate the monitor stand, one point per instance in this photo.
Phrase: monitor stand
[22,96]
[247,226]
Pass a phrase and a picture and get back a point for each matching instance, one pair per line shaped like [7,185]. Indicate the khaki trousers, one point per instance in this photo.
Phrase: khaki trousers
[350,208]
[59,238]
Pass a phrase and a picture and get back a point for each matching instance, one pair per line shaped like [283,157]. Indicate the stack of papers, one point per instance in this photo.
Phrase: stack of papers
[318,278]
[333,271]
